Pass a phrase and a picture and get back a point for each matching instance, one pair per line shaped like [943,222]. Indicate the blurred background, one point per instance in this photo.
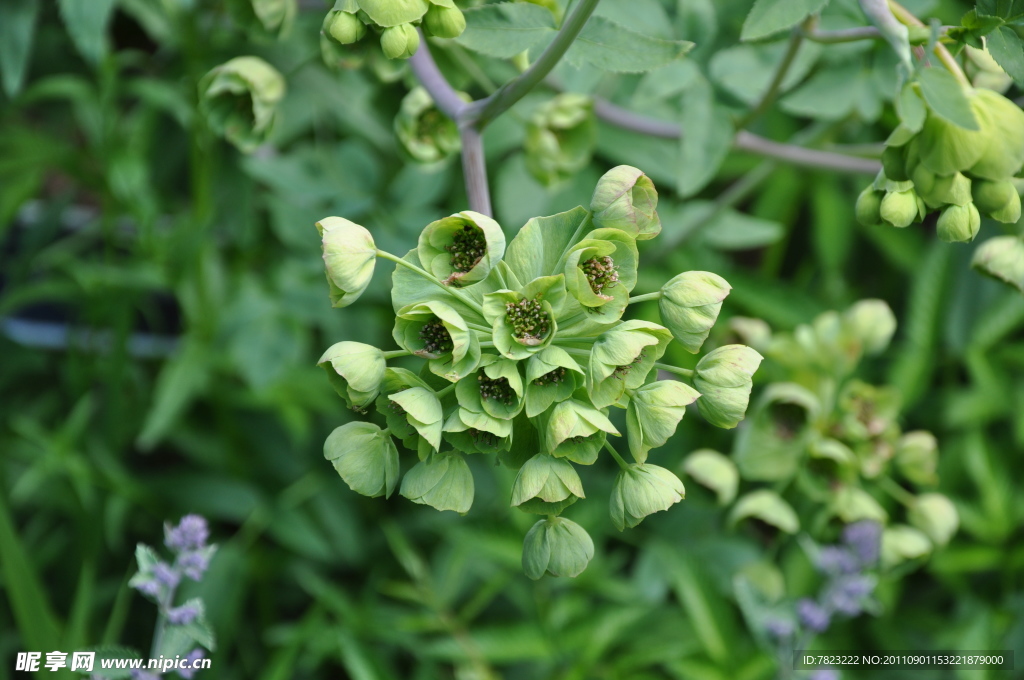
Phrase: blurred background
[163,305]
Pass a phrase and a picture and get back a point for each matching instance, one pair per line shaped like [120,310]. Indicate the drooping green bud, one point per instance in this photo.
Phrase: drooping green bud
[868,208]
[1002,258]
[523,321]
[899,208]
[344,27]
[546,485]
[444,22]
[653,413]
[551,376]
[349,257]
[387,13]
[998,200]
[575,430]
[560,138]
[556,546]
[365,457]
[936,516]
[958,223]
[724,379]
[355,371]
[1003,152]
[625,198]
[461,249]
[924,185]
[852,504]
[400,42]
[621,359]
[641,490]
[767,506]
[239,99]
[901,543]
[946,148]
[894,163]
[715,471]
[435,331]
[872,323]
[426,134]
[917,457]
[442,481]
[689,306]
[952,190]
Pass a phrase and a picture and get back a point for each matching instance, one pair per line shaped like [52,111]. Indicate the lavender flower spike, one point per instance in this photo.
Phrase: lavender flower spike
[192,657]
[183,615]
[194,563]
[865,539]
[190,534]
[166,575]
[824,674]
[812,615]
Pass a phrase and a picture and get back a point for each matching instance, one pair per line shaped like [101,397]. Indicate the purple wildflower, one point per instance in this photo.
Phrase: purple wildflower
[194,563]
[151,588]
[183,615]
[865,539]
[812,615]
[190,534]
[192,657]
[143,675]
[778,628]
[165,575]
[824,674]
[835,560]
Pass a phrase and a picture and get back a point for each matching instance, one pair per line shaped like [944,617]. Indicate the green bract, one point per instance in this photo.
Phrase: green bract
[1002,258]
[239,98]
[425,133]
[444,21]
[936,516]
[399,42]
[526,352]
[560,137]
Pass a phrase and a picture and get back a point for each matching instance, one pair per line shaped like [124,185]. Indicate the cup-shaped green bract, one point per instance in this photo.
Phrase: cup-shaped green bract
[600,272]
[560,138]
[575,430]
[724,379]
[355,370]
[1002,258]
[998,200]
[917,457]
[365,457]
[653,413]
[399,42]
[625,198]
[894,163]
[689,306]
[871,323]
[344,27]
[642,490]
[425,133]
[622,357]
[946,148]
[239,99]
[386,13]
[551,376]
[936,516]
[435,331]
[958,223]
[349,258]
[715,471]
[444,20]
[954,189]
[1003,154]
[422,409]
[477,432]
[556,546]
[546,485]
[899,208]
[461,249]
[397,380]
[496,388]
[868,207]
[443,481]
[523,321]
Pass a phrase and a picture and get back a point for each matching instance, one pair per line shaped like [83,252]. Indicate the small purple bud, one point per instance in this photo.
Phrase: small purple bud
[192,657]
[183,615]
[194,564]
[824,674]
[835,560]
[151,588]
[865,539]
[143,675]
[812,615]
[778,628]
[165,575]
[190,534]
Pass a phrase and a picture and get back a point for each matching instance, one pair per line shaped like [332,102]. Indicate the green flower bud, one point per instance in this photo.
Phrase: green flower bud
[388,13]
[621,359]
[551,376]
[355,370]
[946,148]
[435,331]
[959,223]
[349,257]
[546,485]
[496,389]
[1003,150]
[723,378]
[984,71]
[365,457]
[625,198]
[560,138]
[853,504]
[1002,258]
[600,272]
[894,163]
[952,190]
[239,99]
[768,507]
[653,413]
[868,412]
[689,306]
[461,249]
[425,133]
[868,208]
[399,42]
[715,471]
[999,200]
[556,546]
[924,185]
[641,490]
[344,27]
[575,430]
[917,457]
[445,22]
[901,543]
[872,323]
[523,322]
[899,208]
[936,516]
[442,481]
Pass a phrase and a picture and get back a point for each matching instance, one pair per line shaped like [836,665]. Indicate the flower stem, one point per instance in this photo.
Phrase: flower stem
[647,296]
[685,372]
[898,492]
[454,292]
[397,353]
[906,17]
[446,390]
[795,41]
[615,454]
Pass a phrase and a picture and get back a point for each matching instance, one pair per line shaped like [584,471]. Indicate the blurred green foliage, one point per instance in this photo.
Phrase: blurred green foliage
[163,306]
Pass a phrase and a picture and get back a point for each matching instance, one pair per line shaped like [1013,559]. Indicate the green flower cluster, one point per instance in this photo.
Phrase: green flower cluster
[395,20]
[831,441]
[239,100]
[526,352]
[426,134]
[961,172]
[560,138]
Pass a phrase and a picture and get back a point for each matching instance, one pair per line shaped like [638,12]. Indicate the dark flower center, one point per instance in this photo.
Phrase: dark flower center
[468,246]
[396,408]
[579,439]
[551,377]
[496,389]
[601,272]
[483,438]
[528,319]
[436,338]
[622,371]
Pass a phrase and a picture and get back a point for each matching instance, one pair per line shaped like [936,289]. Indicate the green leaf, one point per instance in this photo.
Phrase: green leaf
[181,380]
[86,22]
[539,245]
[768,507]
[746,71]
[706,140]
[17,28]
[33,616]
[504,30]
[199,630]
[733,230]
[833,94]
[613,47]
[1010,10]
[1006,48]
[911,108]
[771,16]
[946,97]
[108,653]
